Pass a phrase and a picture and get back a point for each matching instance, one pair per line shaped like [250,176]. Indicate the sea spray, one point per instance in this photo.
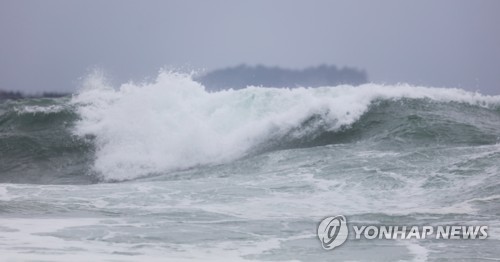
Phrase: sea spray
[173,123]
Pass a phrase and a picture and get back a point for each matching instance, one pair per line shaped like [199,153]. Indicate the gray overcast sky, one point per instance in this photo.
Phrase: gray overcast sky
[48,45]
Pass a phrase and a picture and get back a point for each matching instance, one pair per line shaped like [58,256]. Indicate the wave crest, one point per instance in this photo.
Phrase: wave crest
[174,123]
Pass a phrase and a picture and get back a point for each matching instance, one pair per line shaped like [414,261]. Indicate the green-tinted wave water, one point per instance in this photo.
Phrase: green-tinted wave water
[38,144]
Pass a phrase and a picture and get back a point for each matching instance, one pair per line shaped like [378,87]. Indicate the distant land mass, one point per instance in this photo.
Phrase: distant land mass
[243,75]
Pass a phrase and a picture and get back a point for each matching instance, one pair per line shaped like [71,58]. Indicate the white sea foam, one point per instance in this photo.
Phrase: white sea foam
[39,109]
[174,123]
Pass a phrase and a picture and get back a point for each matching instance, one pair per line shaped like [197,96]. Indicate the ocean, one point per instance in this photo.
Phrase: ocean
[168,171]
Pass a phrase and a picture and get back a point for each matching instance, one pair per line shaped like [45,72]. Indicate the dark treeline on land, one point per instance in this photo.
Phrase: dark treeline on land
[14,95]
[242,76]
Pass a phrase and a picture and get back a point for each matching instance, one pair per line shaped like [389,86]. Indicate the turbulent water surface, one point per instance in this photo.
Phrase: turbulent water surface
[168,171]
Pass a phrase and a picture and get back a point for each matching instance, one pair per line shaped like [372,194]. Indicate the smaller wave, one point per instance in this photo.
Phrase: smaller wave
[37,146]
[35,114]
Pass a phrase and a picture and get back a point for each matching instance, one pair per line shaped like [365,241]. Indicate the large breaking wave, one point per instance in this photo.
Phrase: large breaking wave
[173,123]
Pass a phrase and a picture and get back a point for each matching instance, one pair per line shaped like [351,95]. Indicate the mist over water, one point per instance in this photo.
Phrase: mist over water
[142,170]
